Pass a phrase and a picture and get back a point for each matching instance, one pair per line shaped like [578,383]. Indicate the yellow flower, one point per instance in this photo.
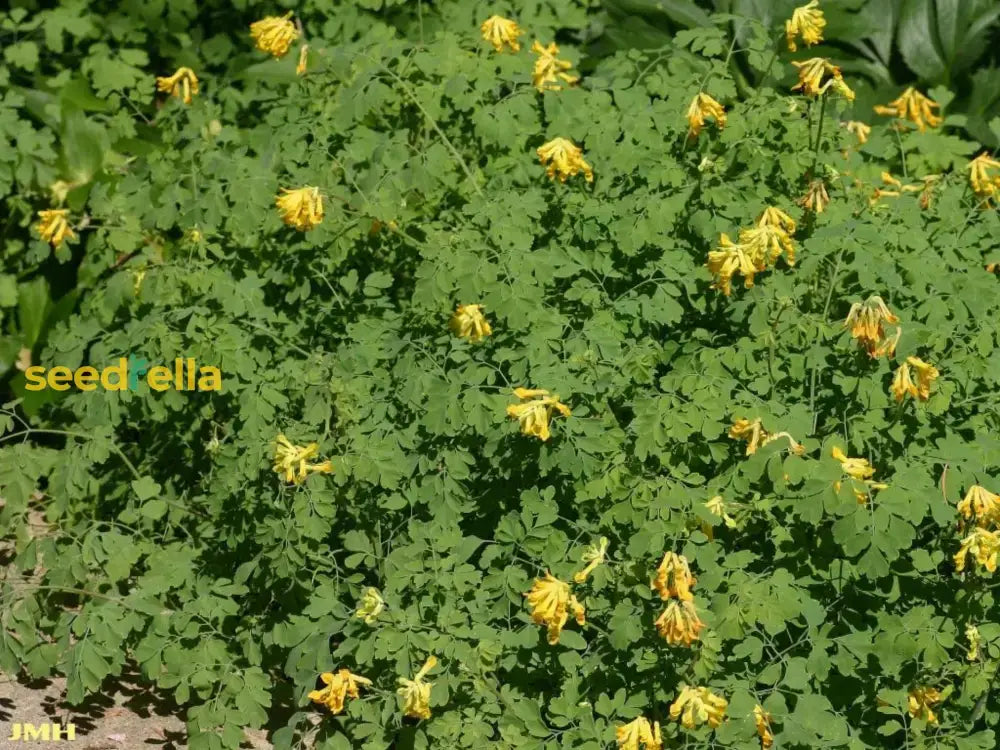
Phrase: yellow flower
[697,705]
[549,70]
[866,321]
[816,198]
[138,276]
[812,73]
[416,693]
[563,159]
[926,375]
[974,639]
[756,436]
[339,686]
[291,460]
[592,557]
[182,84]
[856,468]
[370,606]
[550,601]
[468,322]
[775,217]
[703,106]
[679,623]
[499,31]
[920,701]
[274,34]
[859,129]
[762,720]
[727,261]
[980,505]
[673,578]
[807,21]
[765,243]
[902,383]
[639,731]
[536,411]
[983,545]
[301,208]
[983,183]
[717,507]
[53,226]
[914,106]
[300,69]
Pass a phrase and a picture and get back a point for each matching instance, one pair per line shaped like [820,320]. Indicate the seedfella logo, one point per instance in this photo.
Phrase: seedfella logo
[125,375]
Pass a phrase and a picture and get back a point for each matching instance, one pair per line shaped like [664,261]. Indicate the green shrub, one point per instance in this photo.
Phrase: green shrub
[173,544]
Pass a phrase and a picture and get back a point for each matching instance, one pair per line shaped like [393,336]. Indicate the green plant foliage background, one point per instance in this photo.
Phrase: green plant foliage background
[172,546]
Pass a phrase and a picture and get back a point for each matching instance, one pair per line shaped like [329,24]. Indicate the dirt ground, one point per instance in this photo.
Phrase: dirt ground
[127,718]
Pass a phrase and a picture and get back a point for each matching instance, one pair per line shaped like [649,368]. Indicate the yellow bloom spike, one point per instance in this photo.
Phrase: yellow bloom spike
[717,507]
[816,198]
[500,31]
[807,21]
[983,545]
[902,383]
[53,226]
[920,701]
[592,557]
[765,243]
[183,84]
[756,436]
[762,720]
[728,260]
[856,468]
[370,606]
[926,375]
[867,320]
[980,505]
[859,130]
[975,640]
[551,601]
[416,693]
[339,685]
[563,159]
[703,106]
[549,70]
[274,34]
[817,75]
[679,623]
[775,217]
[292,460]
[300,69]
[696,706]
[536,411]
[673,578]
[983,183]
[469,323]
[913,106]
[640,730]
[301,208]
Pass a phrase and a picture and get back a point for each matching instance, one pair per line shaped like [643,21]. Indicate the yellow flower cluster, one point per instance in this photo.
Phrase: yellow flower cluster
[756,436]
[913,106]
[53,226]
[500,31]
[535,410]
[370,606]
[292,460]
[920,701]
[984,184]
[468,322]
[757,248]
[703,106]
[859,470]
[867,322]
[274,34]
[975,641]
[762,720]
[563,159]
[183,84]
[416,693]
[637,731]
[903,384]
[551,601]
[807,22]
[339,685]
[549,72]
[679,623]
[592,557]
[816,199]
[301,208]
[982,508]
[859,130]
[698,705]
[817,75]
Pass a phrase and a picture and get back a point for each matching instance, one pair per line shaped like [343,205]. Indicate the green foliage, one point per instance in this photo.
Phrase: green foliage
[169,543]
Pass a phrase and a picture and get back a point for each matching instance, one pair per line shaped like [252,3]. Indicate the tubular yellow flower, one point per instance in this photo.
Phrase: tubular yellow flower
[53,226]
[762,720]
[370,606]
[817,74]
[673,578]
[980,505]
[339,685]
[549,70]
[679,623]
[775,217]
[703,106]
[563,159]
[975,640]
[698,705]
[291,460]
[300,68]
[859,129]
[920,701]
[807,21]
[727,261]
[499,31]
[983,183]
[983,545]
[301,208]
[536,411]
[637,731]
[856,468]
[717,507]
[926,375]
[416,693]
[592,557]
[913,106]
[756,436]
[183,84]
[469,323]
[816,198]
[550,601]
[866,321]
[902,383]
[765,243]
[274,34]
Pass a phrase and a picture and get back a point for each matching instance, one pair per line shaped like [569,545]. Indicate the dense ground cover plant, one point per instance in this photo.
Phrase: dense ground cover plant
[560,410]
